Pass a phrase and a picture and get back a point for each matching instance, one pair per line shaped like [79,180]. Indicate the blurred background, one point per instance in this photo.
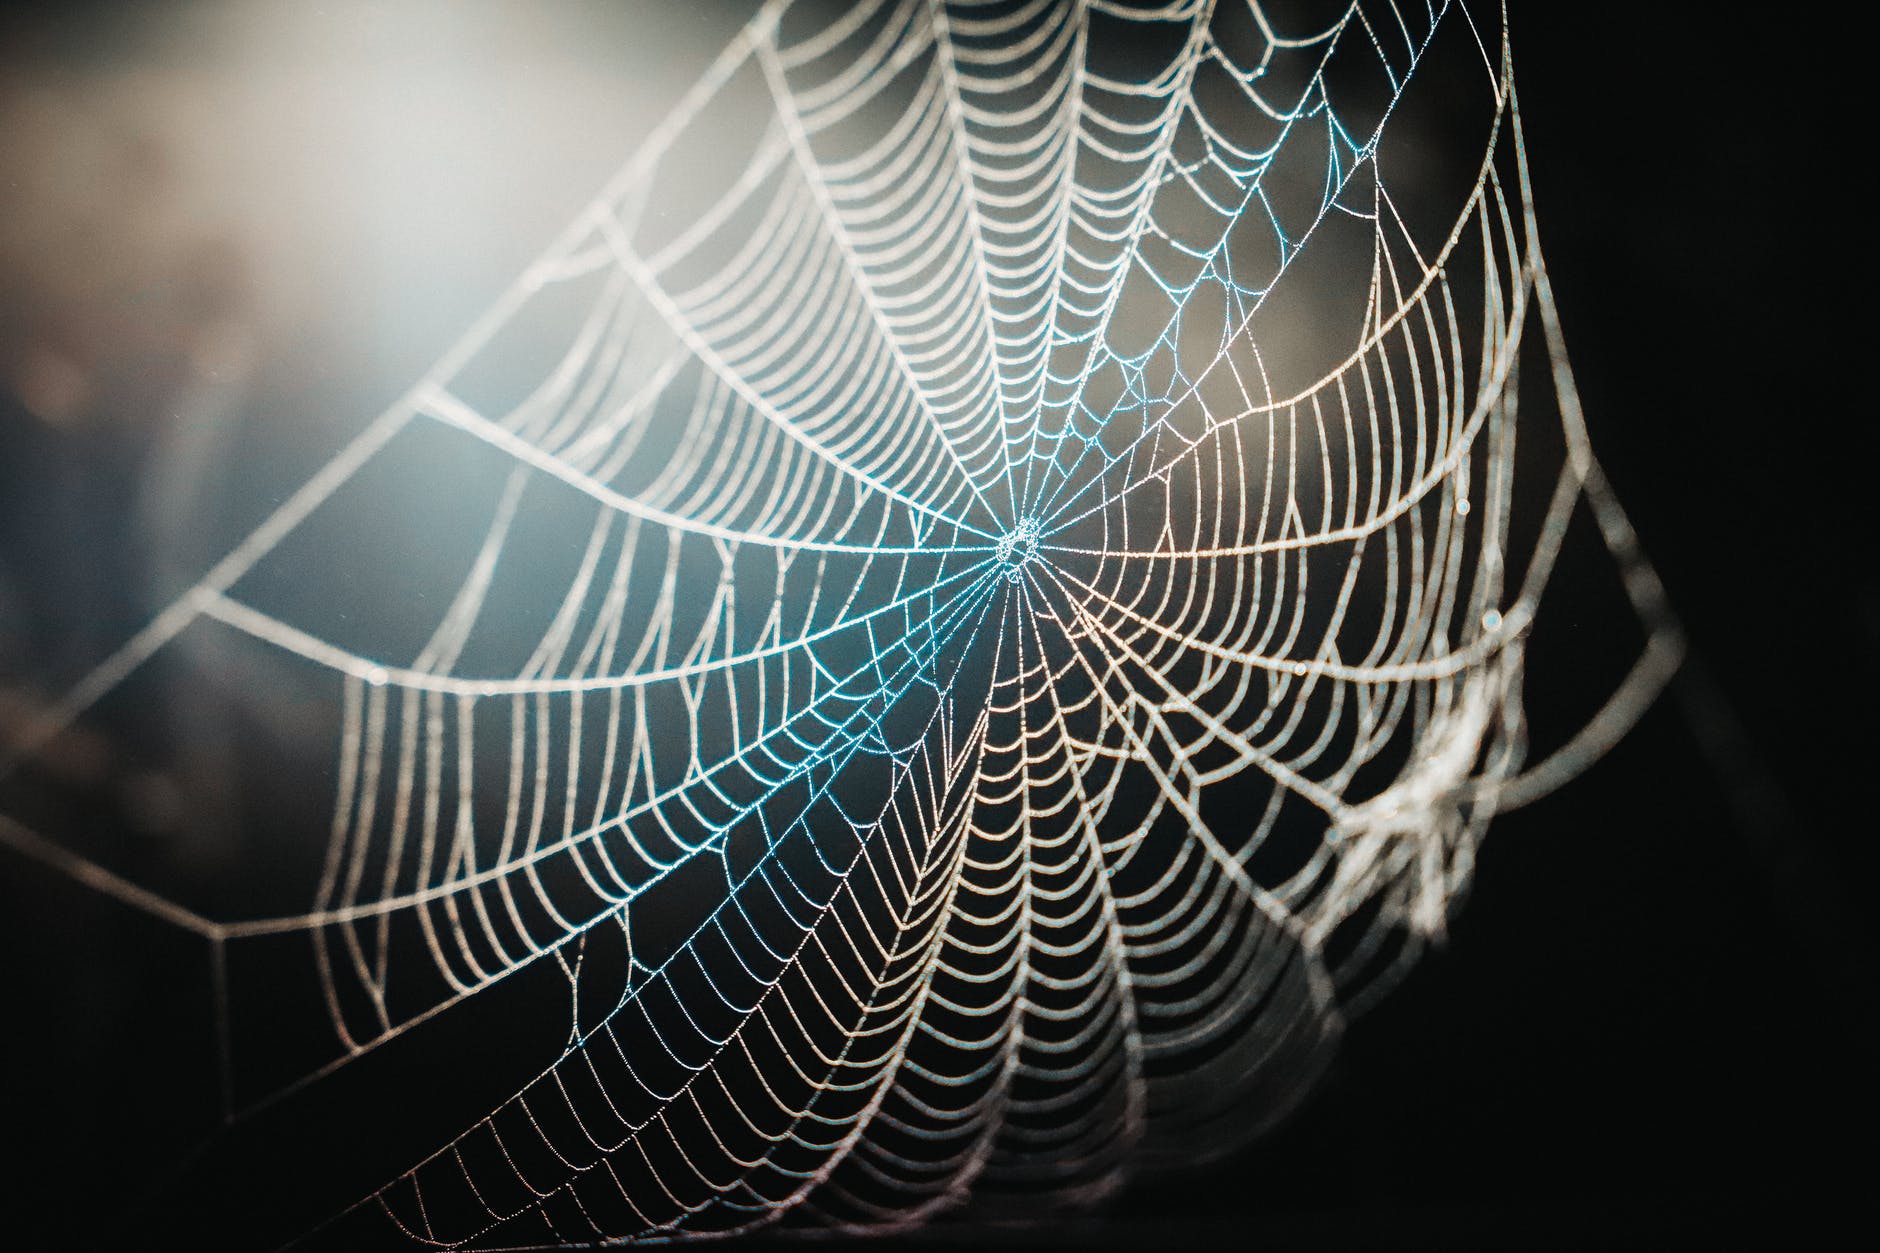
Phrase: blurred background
[229,232]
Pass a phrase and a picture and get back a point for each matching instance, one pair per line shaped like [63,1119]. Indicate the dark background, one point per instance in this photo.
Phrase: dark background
[1651,1016]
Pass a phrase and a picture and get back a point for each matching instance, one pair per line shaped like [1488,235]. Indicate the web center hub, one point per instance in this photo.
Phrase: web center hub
[1018,548]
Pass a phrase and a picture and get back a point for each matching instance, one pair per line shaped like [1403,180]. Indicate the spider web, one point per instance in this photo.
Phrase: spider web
[1001,692]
